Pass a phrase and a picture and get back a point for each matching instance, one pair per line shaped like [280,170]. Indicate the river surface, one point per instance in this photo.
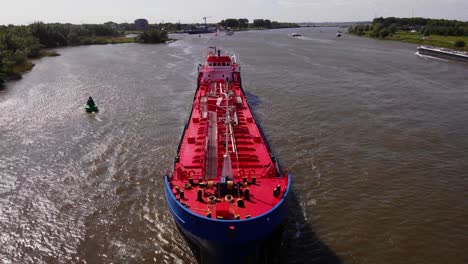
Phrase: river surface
[377,139]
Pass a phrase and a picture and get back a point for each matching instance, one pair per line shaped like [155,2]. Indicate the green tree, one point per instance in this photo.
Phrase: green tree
[427,31]
[258,23]
[231,22]
[243,22]
[376,28]
[2,71]
[2,77]
[73,39]
[393,28]
[50,35]
[153,36]
[384,33]
[459,44]
[360,31]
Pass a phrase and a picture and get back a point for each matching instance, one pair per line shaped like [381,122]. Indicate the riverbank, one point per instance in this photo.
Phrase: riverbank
[19,69]
[103,40]
[20,44]
[416,38]
[432,40]
[16,70]
[16,67]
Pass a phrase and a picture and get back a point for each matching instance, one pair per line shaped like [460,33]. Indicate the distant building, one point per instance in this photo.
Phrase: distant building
[141,24]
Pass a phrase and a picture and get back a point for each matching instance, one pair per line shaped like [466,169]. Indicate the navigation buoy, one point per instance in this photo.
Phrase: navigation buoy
[91,106]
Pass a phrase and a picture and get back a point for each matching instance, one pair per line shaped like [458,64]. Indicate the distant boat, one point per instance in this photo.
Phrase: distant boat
[229,33]
[338,35]
[201,30]
[295,34]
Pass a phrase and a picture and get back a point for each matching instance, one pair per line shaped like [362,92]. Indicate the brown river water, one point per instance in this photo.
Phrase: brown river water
[377,139]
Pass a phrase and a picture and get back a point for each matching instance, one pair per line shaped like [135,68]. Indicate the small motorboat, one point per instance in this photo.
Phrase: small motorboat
[295,35]
[338,35]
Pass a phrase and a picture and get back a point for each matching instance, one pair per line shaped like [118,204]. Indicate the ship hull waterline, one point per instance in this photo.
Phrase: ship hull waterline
[215,241]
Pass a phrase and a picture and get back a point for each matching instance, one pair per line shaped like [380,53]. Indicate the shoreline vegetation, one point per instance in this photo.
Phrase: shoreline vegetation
[442,33]
[19,44]
[241,24]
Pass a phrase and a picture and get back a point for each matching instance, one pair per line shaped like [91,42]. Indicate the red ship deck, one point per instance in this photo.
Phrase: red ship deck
[198,180]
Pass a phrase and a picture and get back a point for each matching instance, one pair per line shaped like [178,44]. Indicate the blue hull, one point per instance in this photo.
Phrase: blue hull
[229,241]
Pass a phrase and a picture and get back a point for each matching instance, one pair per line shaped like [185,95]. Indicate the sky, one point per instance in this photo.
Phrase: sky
[191,11]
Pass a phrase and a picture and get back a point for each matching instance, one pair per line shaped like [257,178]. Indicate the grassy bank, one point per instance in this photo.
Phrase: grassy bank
[16,69]
[19,44]
[416,38]
[19,69]
[113,40]
[432,40]
[48,53]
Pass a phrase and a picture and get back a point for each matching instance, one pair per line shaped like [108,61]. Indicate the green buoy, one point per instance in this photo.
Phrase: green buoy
[91,106]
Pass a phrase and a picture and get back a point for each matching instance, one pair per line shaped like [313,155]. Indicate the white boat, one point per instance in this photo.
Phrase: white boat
[295,34]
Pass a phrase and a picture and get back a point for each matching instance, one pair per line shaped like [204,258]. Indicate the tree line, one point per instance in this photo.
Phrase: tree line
[384,27]
[243,23]
[17,44]
[20,43]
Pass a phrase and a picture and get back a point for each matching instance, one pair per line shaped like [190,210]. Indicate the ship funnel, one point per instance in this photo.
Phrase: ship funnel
[227,169]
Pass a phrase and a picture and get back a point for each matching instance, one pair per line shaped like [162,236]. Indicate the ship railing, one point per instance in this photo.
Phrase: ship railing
[227,69]
[181,138]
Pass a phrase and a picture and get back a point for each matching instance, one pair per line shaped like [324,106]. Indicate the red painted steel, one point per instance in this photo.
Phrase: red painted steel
[254,172]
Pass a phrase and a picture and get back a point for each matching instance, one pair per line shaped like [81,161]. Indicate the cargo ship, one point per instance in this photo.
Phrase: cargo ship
[443,53]
[227,192]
